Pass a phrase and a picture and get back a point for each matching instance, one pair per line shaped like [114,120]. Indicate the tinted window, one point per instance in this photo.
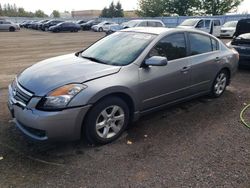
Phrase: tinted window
[215,44]
[151,24]
[200,24]
[199,44]
[172,47]
[216,22]
[207,23]
[158,24]
[143,24]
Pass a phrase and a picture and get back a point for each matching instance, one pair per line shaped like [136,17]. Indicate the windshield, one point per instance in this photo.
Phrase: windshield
[230,24]
[189,22]
[120,48]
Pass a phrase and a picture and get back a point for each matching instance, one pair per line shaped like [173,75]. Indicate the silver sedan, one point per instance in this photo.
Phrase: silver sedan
[97,92]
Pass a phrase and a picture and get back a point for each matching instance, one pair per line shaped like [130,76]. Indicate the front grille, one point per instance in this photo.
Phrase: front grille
[20,94]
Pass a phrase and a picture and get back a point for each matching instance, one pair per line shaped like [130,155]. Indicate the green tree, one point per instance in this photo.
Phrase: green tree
[1,10]
[153,8]
[185,7]
[118,10]
[56,14]
[220,7]
[40,14]
[105,13]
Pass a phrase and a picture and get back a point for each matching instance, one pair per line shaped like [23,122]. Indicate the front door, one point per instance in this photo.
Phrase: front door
[165,84]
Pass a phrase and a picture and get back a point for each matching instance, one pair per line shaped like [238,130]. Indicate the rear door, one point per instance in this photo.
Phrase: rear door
[204,56]
[165,84]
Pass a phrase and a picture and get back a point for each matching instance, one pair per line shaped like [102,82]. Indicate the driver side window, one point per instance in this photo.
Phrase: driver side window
[173,47]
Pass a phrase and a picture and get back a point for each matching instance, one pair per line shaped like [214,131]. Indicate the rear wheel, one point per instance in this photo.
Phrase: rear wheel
[106,120]
[12,29]
[100,29]
[220,84]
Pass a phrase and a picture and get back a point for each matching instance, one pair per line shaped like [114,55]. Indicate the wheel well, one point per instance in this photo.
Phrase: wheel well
[227,70]
[126,98]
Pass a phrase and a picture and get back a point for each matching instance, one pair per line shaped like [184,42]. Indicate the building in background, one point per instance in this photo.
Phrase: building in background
[86,13]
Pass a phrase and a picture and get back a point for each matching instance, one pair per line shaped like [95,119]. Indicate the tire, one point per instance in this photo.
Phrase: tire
[220,83]
[112,116]
[100,29]
[12,29]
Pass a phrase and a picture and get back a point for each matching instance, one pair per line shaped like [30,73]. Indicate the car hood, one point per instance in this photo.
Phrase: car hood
[185,27]
[228,28]
[47,75]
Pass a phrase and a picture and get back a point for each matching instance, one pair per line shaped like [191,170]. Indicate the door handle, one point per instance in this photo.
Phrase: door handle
[185,69]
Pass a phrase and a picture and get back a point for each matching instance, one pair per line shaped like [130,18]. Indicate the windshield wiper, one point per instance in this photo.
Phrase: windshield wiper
[94,59]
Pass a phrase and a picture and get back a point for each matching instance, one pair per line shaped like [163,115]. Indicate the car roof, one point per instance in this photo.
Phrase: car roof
[160,30]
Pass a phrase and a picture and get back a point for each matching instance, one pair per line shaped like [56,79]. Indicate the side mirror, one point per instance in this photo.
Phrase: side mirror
[156,61]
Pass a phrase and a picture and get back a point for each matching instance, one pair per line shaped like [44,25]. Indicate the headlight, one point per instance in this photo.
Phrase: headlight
[60,97]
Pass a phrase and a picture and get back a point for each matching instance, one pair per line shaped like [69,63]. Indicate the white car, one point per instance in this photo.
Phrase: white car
[212,26]
[8,26]
[100,27]
[143,23]
[228,29]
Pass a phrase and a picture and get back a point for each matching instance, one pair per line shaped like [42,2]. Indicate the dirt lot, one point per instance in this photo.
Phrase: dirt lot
[200,143]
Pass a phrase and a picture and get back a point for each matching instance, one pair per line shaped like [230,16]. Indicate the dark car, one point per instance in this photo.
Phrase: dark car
[47,25]
[241,42]
[23,23]
[89,24]
[81,22]
[65,26]
[37,25]
[28,24]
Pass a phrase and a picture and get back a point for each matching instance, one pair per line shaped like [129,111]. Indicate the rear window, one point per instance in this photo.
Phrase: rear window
[199,44]
[217,23]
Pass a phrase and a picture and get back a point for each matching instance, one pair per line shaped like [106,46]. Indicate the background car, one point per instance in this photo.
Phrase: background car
[241,42]
[89,24]
[143,23]
[100,27]
[113,28]
[37,25]
[228,29]
[45,26]
[211,26]
[8,26]
[80,22]
[65,26]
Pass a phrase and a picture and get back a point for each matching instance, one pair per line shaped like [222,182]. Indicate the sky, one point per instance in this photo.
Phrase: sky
[49,5]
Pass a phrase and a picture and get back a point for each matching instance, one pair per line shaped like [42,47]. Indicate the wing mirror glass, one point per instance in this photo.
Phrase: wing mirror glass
[156,61]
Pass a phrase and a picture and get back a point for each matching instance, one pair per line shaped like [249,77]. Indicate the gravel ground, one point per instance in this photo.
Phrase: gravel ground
[200,143]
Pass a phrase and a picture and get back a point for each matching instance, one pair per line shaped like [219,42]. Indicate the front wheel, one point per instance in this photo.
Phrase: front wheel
[12,29]
[106,121]
[219,84]
[100,29]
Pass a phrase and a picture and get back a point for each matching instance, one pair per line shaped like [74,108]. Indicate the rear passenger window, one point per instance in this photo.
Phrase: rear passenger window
[216,22]
[199,44]
[158,24]
[151,24]
[172,47]
[215,44]
[143,24]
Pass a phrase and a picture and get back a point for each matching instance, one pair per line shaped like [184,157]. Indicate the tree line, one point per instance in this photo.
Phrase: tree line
[113,11]
[14,11]
[155,8]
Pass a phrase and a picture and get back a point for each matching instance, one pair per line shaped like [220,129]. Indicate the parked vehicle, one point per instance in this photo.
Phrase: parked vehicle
[89,24]
[81,22]
[99,27]
[8,26]
[65,26]
[47,25]
[132,72]
[241,42]
[228,29]
[212,26]
[113,28]
[144,23]
[32,24]
[38,25]
[22,24]
[28,24]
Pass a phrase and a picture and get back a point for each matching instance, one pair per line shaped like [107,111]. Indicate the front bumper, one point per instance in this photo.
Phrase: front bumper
[39,125]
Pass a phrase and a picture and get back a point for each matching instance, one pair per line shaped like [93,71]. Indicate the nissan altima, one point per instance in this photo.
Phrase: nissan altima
[97,92]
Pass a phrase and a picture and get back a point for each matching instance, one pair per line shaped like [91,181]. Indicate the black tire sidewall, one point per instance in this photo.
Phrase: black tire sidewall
[12,29]
[90,123]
